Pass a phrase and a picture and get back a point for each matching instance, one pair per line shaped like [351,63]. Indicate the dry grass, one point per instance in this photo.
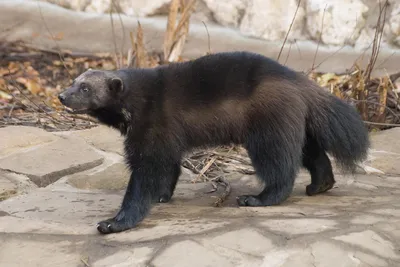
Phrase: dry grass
[177,31]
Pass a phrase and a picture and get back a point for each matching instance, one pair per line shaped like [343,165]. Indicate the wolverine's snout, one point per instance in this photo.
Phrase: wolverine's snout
[61,97]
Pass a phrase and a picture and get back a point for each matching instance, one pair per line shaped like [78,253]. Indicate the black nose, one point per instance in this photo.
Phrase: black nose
[61,97]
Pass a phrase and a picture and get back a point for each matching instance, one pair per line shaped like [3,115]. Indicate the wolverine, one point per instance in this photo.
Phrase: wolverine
[284,120]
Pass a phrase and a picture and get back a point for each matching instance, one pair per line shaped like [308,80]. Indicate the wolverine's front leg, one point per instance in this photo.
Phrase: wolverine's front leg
[143,186]
[135,205]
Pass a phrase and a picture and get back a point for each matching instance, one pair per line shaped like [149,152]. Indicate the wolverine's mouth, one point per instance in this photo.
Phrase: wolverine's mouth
[76,111]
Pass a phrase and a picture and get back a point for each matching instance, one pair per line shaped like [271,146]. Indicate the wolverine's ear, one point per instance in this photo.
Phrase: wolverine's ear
[116,85]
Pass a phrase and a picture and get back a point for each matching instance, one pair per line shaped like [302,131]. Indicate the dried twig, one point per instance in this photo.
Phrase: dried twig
[288,54]
[382,124]
[141,55]
[30,100]
[385,60]
[44,103]
[122,28]
[137,56]
[208,38]
[85,261]
[168,38]
[320,37]
[225,194]
[10,112]
[377,40]
[54,40]
[298,49]
[326,58]
[287,33]
[189,165]
[84,118]
[226,155]
[117,58]
[175,37]
[334,53]
[205,168]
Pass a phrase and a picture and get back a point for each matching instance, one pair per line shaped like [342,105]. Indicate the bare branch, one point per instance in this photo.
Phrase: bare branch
[320,37]
[30,100]
[54,40]
[208,36]
[382,124]
[377,40]
[290,27]
[117,59]
[122,28]
[288,54]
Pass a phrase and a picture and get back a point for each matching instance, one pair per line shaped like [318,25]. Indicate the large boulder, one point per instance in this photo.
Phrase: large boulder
[228,12]
[271,19]
[342,22]
[394,22]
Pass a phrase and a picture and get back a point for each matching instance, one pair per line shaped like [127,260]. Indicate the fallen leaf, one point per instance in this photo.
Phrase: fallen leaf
[32,85]
[4,95]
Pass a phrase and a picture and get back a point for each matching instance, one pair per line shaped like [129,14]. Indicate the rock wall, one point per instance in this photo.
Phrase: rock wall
[342,22]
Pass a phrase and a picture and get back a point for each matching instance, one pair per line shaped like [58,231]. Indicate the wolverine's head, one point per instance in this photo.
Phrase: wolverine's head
[92,90]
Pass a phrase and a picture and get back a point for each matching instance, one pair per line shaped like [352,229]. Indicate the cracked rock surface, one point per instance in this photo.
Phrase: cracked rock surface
[55,187]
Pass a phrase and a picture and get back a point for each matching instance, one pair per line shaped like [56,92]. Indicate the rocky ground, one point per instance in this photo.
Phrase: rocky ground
[56,186]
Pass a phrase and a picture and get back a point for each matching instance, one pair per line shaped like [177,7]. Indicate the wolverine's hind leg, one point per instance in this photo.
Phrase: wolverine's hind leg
[276,159]
[167,185]
[318,164]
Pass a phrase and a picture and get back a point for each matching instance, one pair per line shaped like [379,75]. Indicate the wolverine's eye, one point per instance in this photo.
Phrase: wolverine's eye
[84,88]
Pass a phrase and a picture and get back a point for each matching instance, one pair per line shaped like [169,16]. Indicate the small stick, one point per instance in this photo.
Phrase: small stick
[208,36]
[85,261]
[117,59]
[10,113]
[30,100]
[55,42]
[290,27]
[225,194]
[122,28]
[205,168]
[320,37]
[288,54]
[382,124]
[378,104]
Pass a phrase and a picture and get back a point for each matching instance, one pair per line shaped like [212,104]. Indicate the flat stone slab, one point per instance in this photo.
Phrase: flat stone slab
[46,164]
[15,138]
[7,188]
[58,212]
[350,226]
[385,153]
[115,177]
[387,140]
[136,257]
[184,253]
[371,241]
[103,138]
[17,252]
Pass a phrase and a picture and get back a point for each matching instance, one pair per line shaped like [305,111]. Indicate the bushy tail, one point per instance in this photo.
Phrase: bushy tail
[339,130]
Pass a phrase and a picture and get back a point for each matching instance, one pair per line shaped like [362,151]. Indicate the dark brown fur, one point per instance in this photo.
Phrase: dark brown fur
[283,119]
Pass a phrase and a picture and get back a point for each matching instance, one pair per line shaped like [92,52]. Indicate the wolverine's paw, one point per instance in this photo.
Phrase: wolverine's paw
[248,200]
[113,226]
[163,198]
[313,189]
